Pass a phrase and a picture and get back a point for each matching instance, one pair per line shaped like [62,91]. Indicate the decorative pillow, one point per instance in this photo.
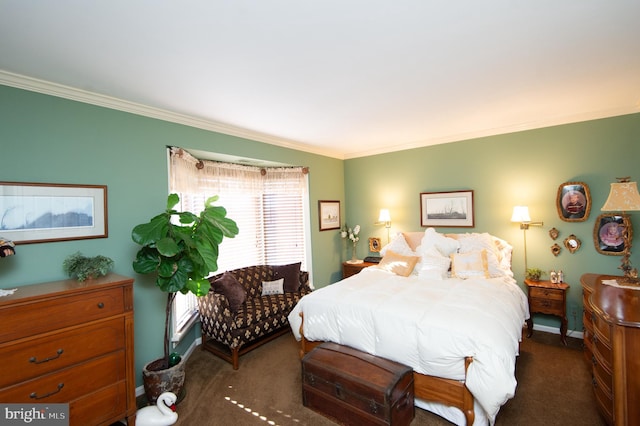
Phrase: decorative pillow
[434,265]
[272,287]
[398,264]
[474,242]
[291,275]
[413,239]
[432,239]
[470,265]
[229,286]
[398,245]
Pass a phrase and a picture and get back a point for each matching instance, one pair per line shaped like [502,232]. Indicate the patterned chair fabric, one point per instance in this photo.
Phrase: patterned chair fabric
[260,319]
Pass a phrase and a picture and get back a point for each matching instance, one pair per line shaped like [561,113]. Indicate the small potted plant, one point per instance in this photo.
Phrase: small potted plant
[182,254]
[534,274]
[83,268]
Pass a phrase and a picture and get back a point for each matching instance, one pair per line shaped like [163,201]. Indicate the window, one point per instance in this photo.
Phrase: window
[270,206]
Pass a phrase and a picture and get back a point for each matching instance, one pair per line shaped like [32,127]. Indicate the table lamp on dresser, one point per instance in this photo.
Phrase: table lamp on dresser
[624,197]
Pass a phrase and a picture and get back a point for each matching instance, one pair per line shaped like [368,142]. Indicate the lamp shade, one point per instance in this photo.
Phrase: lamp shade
[384,216]
[520,214]
[623,197]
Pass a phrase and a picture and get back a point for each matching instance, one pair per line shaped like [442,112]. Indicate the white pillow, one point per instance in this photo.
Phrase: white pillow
[434,265]
[398,245]
[272,287]
[432,239]
[475,242]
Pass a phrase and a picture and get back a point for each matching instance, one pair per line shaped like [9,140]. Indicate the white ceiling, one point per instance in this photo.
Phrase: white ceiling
[344,78]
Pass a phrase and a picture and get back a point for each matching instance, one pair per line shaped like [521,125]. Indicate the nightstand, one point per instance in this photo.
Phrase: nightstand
[349,269]
[549,298]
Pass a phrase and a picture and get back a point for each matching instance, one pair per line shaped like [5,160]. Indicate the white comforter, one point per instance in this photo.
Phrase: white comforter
[430,325]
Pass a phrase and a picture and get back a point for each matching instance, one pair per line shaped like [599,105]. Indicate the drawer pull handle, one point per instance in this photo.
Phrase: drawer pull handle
[34,360]
[101,305]
[34,395]
[339,391]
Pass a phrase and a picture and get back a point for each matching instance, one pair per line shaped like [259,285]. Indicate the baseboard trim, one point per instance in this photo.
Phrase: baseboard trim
[556,330]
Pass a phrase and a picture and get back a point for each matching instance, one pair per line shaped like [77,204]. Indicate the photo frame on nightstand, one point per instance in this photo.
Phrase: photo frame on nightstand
[375,245]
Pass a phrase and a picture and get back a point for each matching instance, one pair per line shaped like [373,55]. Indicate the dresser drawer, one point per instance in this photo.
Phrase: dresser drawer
[602,372]
[546,293]
[70,383]
[602,328]
[602,351]
[547,306]
[103,407]
[30,358]
[19,321]
[604,400]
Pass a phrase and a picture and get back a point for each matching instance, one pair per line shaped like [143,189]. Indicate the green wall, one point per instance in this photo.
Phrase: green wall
[49,139]
[503,171]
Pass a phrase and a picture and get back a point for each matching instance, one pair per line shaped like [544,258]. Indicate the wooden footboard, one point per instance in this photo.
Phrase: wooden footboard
[452,393]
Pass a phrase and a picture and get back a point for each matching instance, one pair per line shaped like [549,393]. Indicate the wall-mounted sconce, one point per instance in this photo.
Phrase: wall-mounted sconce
[384,218]
[521,215]
[624,197]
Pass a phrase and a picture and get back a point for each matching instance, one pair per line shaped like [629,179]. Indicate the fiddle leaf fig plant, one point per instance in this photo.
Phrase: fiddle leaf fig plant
[182,249]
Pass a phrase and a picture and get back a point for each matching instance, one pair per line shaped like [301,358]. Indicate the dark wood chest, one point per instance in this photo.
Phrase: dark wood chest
[356,388]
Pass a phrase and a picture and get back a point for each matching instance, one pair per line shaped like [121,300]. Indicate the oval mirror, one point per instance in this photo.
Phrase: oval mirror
[555,249]
[572,243]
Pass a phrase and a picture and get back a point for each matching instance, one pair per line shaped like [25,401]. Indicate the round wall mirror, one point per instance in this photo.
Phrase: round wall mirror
[572,243]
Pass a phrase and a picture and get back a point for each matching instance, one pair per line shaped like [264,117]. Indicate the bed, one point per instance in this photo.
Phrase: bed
[447,305]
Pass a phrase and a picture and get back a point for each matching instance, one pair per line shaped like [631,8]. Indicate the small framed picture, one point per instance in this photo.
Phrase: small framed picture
[573,201]
[375,245]
[608,234]
[453,209]
[329,214]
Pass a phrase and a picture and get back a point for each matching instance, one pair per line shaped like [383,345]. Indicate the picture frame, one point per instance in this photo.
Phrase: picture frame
[45,212]
[329,214]
[450,209]
[608,234]
[573,201]
[375,244]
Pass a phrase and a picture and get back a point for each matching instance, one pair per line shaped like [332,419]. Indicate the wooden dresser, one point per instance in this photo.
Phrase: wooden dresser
[612,347]
[71,342]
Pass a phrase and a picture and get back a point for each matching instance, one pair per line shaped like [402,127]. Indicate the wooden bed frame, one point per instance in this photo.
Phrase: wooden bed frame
[452,393]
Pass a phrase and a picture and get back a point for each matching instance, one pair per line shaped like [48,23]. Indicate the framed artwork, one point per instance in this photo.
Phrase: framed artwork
[573,201]
[451,209]
[43,212]
[608,234]
[329,214]
[375,245]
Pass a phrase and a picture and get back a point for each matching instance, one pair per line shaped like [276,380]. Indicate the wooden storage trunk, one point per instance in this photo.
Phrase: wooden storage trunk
[355,388]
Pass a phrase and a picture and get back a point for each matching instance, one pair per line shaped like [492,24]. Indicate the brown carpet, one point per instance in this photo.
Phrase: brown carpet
[554,388]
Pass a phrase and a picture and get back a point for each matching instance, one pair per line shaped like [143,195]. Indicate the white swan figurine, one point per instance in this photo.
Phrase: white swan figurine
[161,414]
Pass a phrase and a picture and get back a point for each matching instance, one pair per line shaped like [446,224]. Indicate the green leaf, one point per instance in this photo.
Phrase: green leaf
[199,287]
[147,260]
[167,247]
[148,233]
[172,201]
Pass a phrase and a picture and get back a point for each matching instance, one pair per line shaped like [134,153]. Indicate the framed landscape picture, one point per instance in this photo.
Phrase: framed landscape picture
[451,209]
[329,214]
[43,212]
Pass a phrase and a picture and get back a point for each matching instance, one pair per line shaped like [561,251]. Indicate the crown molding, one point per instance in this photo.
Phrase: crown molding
[79,95]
